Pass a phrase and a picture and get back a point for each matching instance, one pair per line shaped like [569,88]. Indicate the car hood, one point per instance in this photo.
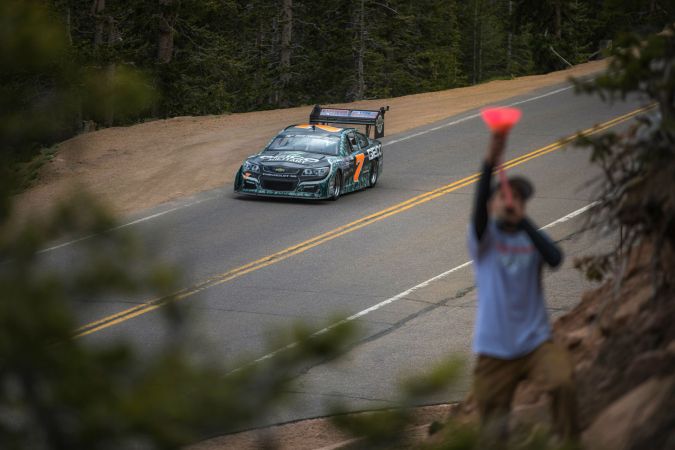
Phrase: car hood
[291,159]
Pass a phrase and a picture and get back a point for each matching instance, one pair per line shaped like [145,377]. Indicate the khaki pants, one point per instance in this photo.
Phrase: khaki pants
[495,382]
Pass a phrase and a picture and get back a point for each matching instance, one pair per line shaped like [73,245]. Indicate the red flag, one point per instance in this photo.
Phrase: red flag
[501,120]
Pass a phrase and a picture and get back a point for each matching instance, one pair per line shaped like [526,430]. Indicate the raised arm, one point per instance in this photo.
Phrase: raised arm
[480,209]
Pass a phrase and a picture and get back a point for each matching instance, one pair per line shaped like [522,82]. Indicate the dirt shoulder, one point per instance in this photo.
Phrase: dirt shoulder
[319,434]
[137,167]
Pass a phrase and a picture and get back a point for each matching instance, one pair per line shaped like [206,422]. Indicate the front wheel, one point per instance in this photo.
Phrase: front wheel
[335,186]
[374,173]
[237,181]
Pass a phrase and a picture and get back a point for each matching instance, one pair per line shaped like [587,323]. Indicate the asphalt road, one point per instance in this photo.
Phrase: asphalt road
[345,264]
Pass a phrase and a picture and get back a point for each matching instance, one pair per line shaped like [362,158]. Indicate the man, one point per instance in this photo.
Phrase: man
[513,337]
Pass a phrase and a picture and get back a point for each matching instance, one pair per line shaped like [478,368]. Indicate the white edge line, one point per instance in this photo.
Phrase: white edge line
[570,216]
[472,116]
[403,294]
[405,138]
[124,225]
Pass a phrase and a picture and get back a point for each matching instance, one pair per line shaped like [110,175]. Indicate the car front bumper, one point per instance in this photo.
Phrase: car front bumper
[263,186]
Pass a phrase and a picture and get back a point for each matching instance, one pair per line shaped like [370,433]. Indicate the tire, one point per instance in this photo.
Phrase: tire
[374,173]
[335,187]
[237,181]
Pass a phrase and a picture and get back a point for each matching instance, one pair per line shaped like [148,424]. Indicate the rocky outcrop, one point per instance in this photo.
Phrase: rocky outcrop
[622,339]
[625,423]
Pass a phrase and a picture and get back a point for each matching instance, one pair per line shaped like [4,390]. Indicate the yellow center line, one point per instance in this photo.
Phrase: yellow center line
[302,247]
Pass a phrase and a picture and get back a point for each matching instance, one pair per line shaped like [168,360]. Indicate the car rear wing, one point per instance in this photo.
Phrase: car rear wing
[367,117]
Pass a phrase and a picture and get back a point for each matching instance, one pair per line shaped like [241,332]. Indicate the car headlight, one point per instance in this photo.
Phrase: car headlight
[250,167]
[316,172]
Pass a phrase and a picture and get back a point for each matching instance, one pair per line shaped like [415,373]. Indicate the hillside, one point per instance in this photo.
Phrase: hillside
[137,167]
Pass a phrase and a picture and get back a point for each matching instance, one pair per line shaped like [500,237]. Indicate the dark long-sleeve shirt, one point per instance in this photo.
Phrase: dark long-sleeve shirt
[480,209]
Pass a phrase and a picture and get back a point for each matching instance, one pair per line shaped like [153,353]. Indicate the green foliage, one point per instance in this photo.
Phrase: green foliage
[561,25]
[32,86]
[59,390]
[121,90]
[390,428]
[45,93]
[640,16]
[636,195]
[26,173]
[225,55]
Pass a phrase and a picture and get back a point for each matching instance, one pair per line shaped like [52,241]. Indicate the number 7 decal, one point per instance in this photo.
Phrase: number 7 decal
[359,165]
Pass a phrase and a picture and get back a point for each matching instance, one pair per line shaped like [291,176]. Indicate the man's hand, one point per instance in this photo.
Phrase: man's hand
[496,149]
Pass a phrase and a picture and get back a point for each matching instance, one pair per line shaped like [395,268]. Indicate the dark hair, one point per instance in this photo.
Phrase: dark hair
[521,185]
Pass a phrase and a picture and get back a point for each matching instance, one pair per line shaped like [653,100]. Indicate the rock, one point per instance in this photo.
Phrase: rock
[670,349]
[615,427]
[651,364]
[576,338]
[525,415]
[631,305]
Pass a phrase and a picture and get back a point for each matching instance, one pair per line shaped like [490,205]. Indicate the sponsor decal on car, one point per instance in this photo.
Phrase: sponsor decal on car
[359,165]
[379,124]
[365,114]
[333,112]
[290,157]
[280,175]
[374,152]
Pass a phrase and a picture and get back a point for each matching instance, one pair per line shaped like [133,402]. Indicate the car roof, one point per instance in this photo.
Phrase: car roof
[316,129]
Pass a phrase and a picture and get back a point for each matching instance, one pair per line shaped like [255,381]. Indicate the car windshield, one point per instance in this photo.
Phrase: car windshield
[326,145]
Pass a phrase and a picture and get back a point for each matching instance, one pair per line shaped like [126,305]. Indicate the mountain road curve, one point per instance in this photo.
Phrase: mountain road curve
[251,266]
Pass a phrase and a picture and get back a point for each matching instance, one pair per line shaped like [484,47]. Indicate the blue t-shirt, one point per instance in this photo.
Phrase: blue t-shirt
[511,319]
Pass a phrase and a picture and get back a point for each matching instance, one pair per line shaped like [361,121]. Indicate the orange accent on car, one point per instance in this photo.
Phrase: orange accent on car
[322,127]
[360,158]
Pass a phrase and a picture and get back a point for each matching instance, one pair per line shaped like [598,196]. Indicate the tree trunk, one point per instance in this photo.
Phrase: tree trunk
[480,51]
[475,42]
[69,26]
[104,35]
[97,9]
[167,20]
[509,39]
[360,85]
[557,4]
[258,75]
[286,37]
[109,117]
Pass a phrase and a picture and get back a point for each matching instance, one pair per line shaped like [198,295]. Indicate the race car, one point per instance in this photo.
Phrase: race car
[317,160]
